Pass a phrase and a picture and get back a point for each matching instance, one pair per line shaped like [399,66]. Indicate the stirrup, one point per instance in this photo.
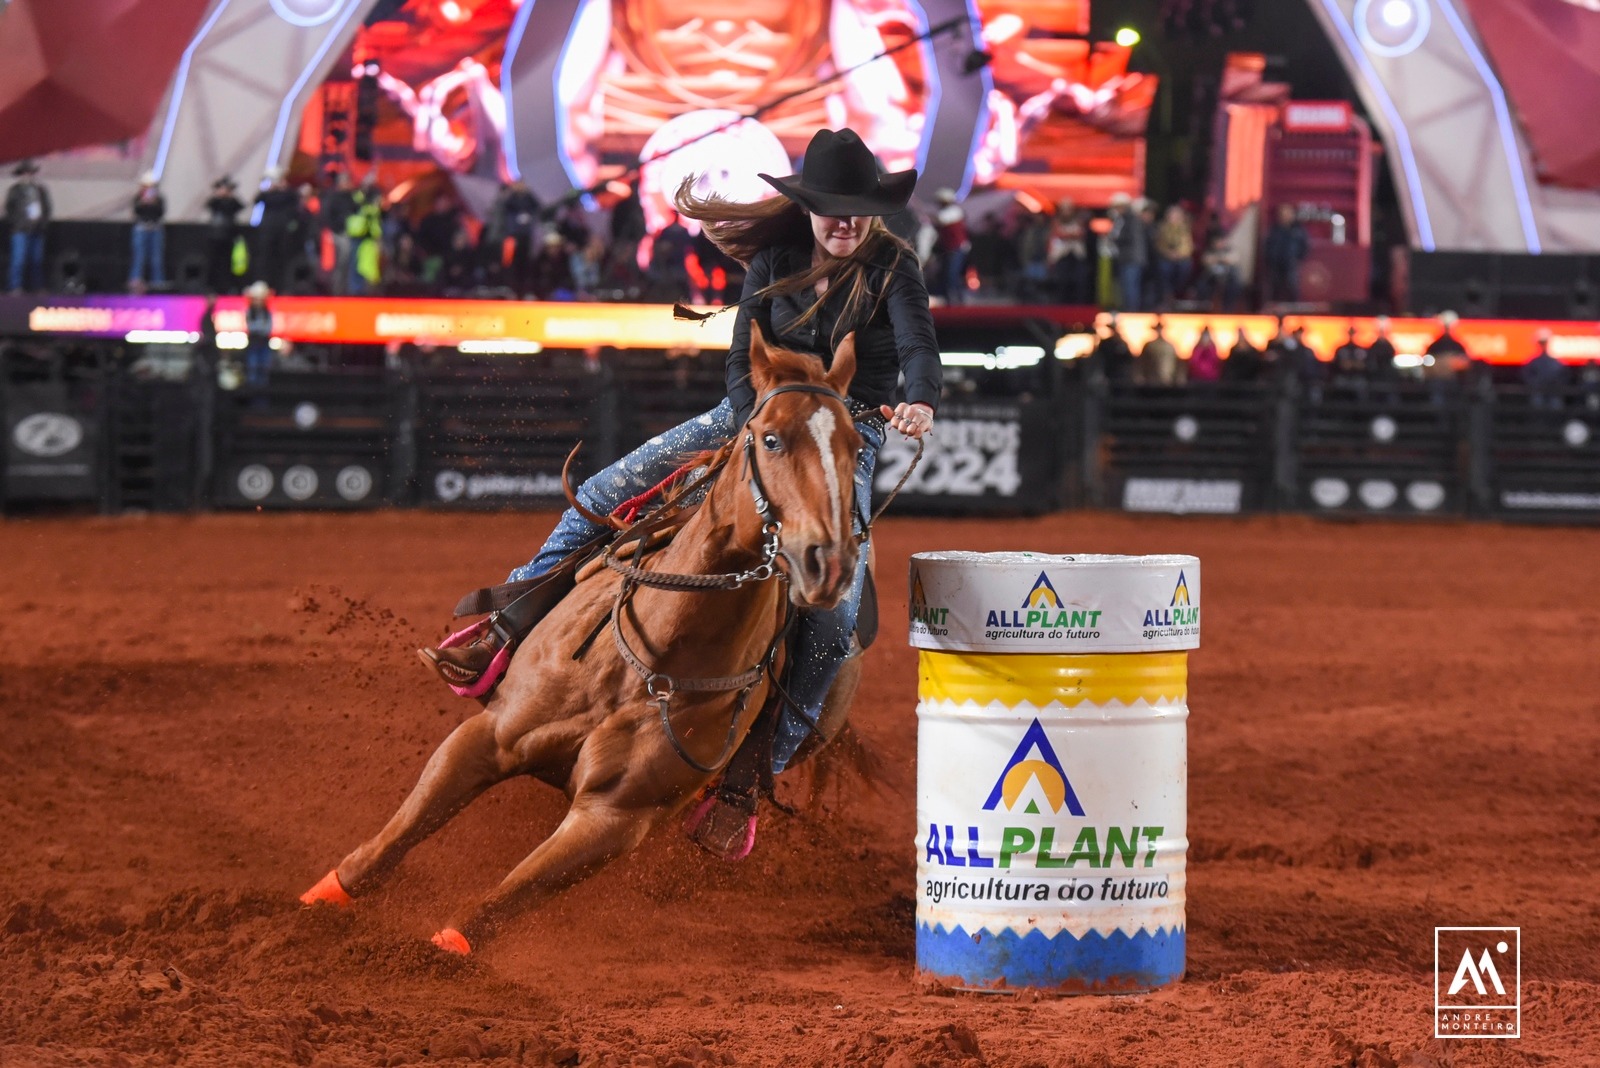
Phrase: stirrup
[723,824]
[482,654]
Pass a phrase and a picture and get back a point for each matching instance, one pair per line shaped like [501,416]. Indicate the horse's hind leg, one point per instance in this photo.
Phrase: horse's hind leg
[594,833]
[465,764]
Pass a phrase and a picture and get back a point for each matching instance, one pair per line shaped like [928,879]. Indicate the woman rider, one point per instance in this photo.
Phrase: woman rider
[820,264]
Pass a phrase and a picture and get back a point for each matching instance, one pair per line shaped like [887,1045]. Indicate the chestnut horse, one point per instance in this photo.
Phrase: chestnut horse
[776,524]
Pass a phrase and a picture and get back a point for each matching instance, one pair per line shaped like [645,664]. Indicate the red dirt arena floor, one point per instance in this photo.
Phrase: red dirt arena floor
[1393,727]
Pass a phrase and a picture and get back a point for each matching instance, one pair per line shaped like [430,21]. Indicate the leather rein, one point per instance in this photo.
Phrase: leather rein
[658,684]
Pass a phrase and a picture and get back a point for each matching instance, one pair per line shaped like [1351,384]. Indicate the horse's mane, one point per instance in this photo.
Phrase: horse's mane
[786,366]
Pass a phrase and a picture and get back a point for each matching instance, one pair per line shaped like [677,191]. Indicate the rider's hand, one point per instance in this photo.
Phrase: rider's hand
[912,420]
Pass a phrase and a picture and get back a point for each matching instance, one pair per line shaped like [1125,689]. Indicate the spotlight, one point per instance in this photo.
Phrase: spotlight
[1127,37]
[1398,13]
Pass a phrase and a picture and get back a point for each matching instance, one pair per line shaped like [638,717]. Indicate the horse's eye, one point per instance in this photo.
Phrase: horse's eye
[771,442]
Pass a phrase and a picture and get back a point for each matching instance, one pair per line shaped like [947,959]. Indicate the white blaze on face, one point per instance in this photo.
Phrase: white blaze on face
[822,425]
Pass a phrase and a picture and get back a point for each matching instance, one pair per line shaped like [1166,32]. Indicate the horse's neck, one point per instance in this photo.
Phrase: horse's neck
[719,630]
[721,536]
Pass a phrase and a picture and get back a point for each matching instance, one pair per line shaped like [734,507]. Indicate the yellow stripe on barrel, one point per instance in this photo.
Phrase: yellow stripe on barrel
[1012,678]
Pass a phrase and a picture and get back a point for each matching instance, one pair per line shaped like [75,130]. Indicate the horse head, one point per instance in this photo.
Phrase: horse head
[799,450]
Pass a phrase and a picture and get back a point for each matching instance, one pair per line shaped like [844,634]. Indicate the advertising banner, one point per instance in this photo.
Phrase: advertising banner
[51,446]
[994,456]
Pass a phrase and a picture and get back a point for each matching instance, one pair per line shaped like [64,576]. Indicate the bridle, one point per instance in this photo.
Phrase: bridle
[658,684]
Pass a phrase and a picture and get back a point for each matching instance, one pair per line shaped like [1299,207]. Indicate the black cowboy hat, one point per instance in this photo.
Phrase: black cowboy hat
[26,166]
[840,177]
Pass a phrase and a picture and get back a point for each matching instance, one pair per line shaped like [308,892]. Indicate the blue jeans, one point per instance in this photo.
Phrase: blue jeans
[955,276]
[1130,279]
[257,363]
[149,252]
[821,639]
[27,260]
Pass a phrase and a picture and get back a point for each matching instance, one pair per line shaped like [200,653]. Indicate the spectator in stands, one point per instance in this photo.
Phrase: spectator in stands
[28,216]
[493,244]
[1158,363]
[993,256]
[1069,254]
[1174,254]
[224,247]
[338,205]
[1350,365]
[258,335]
[669,263]
[1545,376]
[1220,283]
[1447,349]
[512,221]
[365,229]
[1302,363]
[278,208]
[1112,355]
[1152,274]
[588,268]
[552,268]
[1287,247]
[574,226]
[627,230]
[1205,364]
[149,236]
[1130,245]
[1033,258]
[1245,362]
[954,247]
[1445,361]
[436,238]
[305,260]
[1380,355]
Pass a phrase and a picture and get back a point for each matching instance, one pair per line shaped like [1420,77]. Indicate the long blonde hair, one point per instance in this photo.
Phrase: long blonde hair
[741,230]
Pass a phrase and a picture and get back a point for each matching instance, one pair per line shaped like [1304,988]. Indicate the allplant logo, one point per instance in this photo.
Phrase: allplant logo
[1477,982]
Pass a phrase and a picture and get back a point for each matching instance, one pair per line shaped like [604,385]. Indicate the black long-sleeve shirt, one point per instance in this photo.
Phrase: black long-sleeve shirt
[149,210]
[896,334]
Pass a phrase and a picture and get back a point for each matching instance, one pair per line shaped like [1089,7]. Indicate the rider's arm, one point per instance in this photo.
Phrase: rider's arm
[740,392]
[914,339]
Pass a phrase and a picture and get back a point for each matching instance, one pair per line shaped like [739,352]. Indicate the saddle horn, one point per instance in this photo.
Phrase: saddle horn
[577,505]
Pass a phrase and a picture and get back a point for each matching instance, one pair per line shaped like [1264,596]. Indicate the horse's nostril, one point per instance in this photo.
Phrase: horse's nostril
[816,561]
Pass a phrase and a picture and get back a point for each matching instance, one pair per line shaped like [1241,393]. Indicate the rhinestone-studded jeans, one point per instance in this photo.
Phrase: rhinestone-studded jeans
[821,640]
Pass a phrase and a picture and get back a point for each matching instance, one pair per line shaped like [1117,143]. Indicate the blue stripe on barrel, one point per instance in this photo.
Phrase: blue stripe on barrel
[1094,963]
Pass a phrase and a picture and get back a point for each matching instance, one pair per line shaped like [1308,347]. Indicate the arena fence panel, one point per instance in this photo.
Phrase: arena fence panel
[307,440]
[1396,449]
[494,433]
[159,433]
[1197,449]
[1542,453]
[54,403]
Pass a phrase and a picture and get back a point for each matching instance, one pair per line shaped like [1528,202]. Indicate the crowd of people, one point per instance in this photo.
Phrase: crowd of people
[347,237]
[1359,369]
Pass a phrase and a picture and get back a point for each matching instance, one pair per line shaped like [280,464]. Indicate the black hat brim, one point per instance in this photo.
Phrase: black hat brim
[893,193]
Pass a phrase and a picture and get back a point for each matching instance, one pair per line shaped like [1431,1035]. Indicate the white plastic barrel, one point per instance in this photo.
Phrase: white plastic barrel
[1052,768]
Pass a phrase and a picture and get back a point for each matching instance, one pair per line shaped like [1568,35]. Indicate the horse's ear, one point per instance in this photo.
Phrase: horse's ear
[760,365]
[844,365]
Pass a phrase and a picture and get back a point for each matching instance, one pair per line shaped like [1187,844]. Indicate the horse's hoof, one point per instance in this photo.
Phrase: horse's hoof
[453,941]
[328,891]
[722,829]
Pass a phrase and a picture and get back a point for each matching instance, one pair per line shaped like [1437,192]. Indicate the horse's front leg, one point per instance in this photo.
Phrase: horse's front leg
[595,832]
[466,764]
[620,791]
